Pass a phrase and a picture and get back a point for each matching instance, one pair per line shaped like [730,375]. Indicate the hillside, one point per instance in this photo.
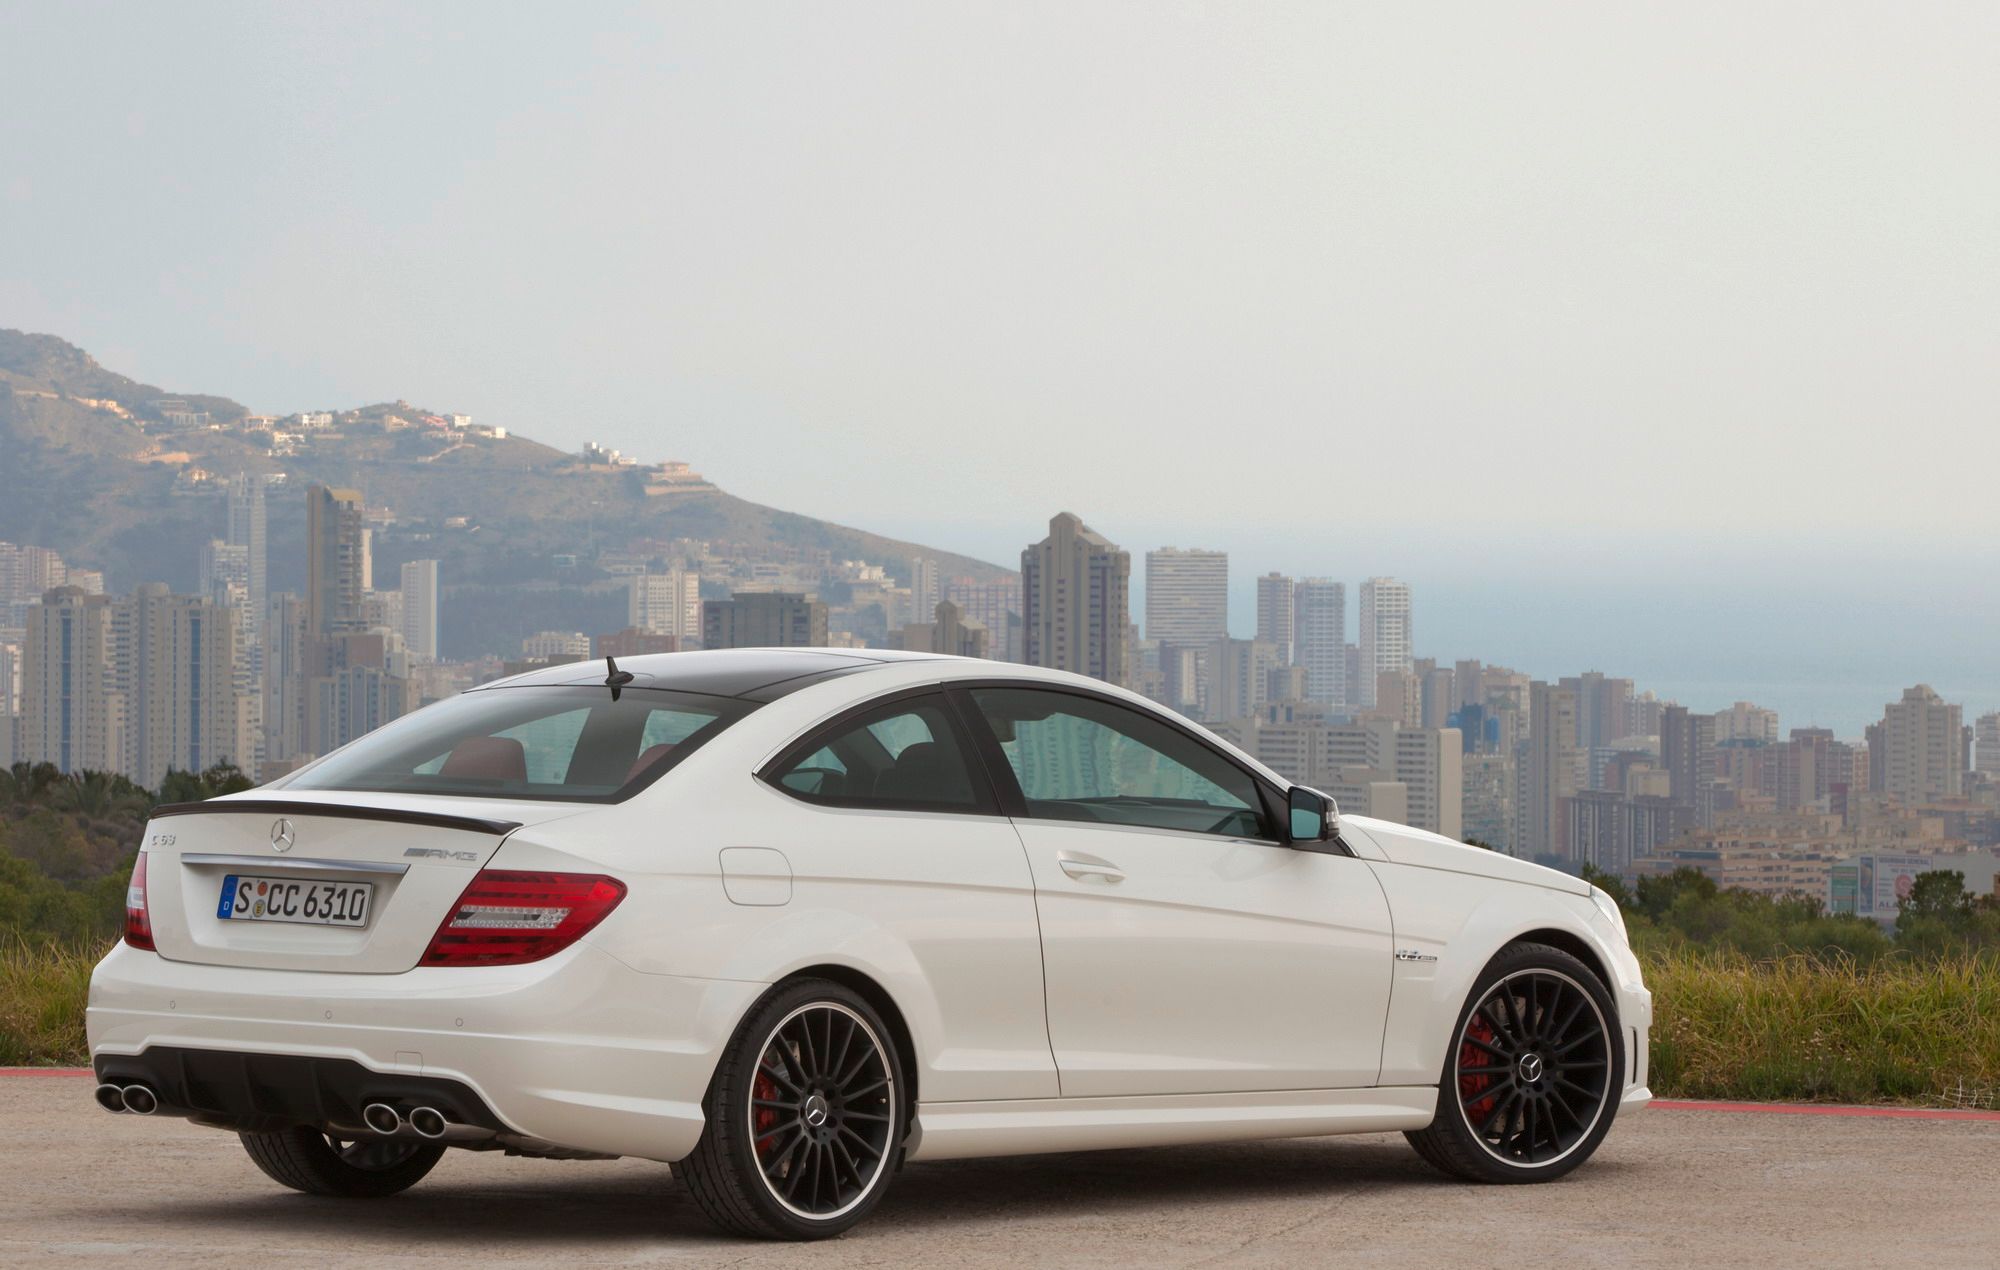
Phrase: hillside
[129,478]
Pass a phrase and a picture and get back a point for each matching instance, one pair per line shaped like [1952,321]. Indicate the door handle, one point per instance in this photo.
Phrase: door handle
[1088,867]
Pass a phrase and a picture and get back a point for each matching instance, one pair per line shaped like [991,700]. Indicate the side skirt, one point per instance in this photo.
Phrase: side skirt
[958,1130]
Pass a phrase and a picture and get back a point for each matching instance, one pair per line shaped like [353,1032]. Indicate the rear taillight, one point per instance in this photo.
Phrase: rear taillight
[138,922]
[506,917]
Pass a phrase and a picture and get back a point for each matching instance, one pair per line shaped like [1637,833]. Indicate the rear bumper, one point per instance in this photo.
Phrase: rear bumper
[579,1050]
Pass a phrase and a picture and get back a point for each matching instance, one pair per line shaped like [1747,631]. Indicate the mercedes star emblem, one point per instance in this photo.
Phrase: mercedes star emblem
[283,835]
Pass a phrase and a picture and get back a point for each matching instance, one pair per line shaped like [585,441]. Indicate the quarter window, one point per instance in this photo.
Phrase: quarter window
[1081,758]
[904,755]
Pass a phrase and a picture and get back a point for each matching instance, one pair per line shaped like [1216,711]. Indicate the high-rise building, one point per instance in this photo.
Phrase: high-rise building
[1277,614]
[1602,708]
[1987,756]
[1076,602]
[246,530]
[668,602]
[557,646]
[138,685]
[926,586]
[1687,751]
[72,713]
[1238,674]
[1187,595]
[1385,642]
[420,609]
[1554,757]
[1917,752]
[178,669]
[1319,632]
[764,619]
[995,606]
[336,561]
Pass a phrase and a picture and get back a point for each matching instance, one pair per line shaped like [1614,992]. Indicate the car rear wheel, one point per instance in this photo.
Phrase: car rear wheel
[1530,1086]
[805,1117]
[356,1168]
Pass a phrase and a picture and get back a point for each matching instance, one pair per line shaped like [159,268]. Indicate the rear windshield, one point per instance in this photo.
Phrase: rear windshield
[543,743]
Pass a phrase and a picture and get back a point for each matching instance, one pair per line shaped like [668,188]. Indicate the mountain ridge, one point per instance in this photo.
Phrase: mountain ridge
[126,477]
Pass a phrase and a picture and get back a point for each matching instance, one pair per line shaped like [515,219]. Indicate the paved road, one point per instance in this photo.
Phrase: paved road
[1670,1188]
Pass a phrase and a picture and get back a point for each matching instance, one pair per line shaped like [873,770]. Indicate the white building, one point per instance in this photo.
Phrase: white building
[666,603]
[1385,643]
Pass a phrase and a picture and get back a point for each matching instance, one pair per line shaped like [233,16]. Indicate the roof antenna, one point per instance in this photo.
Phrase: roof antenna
[615,678]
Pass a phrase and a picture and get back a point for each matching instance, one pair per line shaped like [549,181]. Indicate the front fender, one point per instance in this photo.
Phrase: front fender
[1462,921]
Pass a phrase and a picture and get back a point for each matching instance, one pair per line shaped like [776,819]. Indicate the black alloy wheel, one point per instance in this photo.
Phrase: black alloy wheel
[804,1117]
[1532,1080]
[822,1106]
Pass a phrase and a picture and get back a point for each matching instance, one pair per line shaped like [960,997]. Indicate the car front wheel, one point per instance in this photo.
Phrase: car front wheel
[1530,1086]
[804,1117]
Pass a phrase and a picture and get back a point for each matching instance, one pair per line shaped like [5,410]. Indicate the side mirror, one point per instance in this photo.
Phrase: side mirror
[1314,816]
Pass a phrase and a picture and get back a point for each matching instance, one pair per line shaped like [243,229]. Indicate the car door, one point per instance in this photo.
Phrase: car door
[1185,949]
[900,860]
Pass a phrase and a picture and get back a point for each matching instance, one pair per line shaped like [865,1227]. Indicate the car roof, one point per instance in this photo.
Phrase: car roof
[754,674]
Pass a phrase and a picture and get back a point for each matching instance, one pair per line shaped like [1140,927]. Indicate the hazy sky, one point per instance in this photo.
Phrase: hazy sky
[1509,300]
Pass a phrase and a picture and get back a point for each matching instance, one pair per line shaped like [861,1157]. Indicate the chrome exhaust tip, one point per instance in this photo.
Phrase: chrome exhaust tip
[111,1098]
[139,1100]
[382,1118]
[427,1122]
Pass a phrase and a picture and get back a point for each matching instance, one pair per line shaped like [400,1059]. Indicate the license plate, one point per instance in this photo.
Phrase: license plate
[246,898]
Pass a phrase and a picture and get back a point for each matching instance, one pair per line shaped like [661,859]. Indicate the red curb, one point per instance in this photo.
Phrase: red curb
[1801,1109]
[46,1071]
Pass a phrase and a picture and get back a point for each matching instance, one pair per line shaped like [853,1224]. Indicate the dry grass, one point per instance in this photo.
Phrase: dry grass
[1798,1029]
[43,988]
[1802,1029]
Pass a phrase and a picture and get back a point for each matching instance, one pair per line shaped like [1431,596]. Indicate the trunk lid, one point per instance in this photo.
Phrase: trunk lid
[417,853]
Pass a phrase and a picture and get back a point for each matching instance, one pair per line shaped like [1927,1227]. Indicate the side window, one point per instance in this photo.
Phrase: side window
[904,755]
[1079,758]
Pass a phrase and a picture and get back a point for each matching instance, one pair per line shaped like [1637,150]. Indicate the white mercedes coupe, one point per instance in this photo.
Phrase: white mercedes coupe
[787,919]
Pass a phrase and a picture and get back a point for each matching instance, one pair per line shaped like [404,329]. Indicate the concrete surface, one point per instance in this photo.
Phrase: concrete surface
[1670,1188]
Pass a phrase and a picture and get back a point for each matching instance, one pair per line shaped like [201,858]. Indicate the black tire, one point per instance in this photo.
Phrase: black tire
[1531,1082]
[794,1148]
[353,1168]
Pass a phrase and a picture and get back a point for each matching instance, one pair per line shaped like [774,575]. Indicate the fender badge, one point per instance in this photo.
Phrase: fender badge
[1411,954]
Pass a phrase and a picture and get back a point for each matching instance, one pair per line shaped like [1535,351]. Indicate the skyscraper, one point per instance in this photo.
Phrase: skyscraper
[1076,602]
[1187,595]
[1277,618]
[178,671]
[335,561]
[1602,707]
[1385,641]
[72,714]
[1917,751]
[420,609]
[246,530]
[1552,776]
[1987,757]
[1687,751]
[1319,633]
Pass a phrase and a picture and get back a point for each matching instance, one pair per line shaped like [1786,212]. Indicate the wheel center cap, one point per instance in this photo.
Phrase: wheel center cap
[816,1111]
[1530,1068]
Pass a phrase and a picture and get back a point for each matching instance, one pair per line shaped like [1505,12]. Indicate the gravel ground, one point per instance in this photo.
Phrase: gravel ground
[1669,1188]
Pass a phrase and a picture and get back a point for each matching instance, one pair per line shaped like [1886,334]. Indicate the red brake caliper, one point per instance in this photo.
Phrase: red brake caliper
[1470,1088]
[765,1117]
